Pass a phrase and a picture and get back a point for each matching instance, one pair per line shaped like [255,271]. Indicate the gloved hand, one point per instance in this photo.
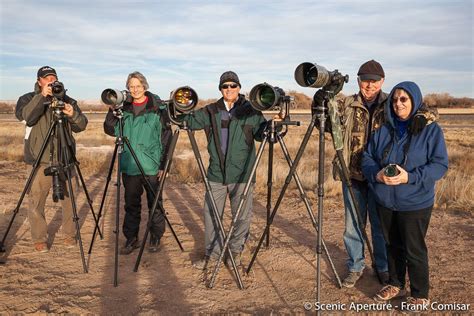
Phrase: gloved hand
[418,122]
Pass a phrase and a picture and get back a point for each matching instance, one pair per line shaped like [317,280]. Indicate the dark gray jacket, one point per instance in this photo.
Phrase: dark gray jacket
[34,110]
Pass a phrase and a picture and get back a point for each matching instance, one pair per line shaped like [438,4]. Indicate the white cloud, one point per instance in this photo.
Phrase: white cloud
[96,45]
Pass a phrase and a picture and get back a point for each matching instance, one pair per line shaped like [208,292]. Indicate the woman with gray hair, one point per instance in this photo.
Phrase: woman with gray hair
[145,124]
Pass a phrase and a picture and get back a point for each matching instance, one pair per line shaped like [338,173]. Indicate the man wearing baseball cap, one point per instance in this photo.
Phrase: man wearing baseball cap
[362,113]
[33,109]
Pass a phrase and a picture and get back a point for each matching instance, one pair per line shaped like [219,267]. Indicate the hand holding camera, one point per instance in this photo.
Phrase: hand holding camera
[392,174]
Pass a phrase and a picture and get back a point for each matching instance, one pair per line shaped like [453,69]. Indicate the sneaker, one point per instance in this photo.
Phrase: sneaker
[69,242]
[238,261]
[387,293]
[351,279]
[130,245]
[204,263]
[154,245]
[41,247]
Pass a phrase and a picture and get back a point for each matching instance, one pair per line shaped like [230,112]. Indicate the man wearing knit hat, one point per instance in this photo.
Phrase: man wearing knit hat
[231,126]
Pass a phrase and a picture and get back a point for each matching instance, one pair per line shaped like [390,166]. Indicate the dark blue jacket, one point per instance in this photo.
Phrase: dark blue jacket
[423,156]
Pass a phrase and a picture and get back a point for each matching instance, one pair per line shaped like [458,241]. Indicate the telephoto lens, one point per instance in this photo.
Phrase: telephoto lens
[391,170]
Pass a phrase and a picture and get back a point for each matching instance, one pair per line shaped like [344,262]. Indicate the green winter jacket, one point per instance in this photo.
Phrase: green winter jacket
[245,126]
[148,134]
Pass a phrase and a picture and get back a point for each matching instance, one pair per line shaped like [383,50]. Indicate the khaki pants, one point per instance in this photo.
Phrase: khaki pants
[37,196]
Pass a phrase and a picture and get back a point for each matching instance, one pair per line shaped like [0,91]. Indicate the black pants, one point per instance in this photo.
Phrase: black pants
[404,233]
[133,195]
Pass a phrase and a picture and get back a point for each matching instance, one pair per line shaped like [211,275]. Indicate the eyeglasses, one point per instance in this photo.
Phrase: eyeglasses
[402,99]
[136,87]
[232,86]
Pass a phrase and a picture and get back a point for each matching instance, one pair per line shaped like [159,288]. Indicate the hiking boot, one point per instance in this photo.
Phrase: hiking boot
[130,245]
[238,262]
[154,245]
[387,293]
[351,279]
[69,242]
[204,263]
[420,304]
[385,277]
[41,247]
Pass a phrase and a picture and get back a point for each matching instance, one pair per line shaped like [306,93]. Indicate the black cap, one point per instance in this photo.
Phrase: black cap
[371,70]
[45,71]
[229,76]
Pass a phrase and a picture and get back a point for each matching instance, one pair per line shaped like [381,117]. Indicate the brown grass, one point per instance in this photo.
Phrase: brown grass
[94,152]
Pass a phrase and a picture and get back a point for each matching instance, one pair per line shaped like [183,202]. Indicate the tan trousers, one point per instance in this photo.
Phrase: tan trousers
[37,195]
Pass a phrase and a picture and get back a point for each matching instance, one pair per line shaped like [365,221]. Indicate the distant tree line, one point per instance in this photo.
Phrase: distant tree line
[301,101]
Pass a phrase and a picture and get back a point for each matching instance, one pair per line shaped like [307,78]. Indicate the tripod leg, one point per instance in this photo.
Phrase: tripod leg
[99,215]
[304,197]
[65,151]
[284,188]
[239,208]
[28,183]
[269,188]
[213,207]
[322,119]
[156,202]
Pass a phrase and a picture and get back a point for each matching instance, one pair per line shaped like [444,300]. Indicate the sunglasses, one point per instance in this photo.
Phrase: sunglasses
[402,99]
[232,86]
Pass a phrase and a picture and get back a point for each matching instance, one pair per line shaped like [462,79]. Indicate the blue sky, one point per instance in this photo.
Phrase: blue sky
[95,44]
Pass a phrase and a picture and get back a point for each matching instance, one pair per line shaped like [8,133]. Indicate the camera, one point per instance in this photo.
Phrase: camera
[391,170]
[115,98]
[57,89]
[264,97]
[316,76]
[58,178]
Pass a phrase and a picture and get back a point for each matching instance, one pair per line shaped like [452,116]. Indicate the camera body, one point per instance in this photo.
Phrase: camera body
[391,170]
[57,88]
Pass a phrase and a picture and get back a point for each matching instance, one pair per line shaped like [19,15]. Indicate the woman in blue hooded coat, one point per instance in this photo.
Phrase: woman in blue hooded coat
[402,168]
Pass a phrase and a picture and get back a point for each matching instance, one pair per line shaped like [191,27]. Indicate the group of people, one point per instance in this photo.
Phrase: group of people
[379,129]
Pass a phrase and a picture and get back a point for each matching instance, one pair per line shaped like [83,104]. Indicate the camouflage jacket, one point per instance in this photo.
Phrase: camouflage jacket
[355,118]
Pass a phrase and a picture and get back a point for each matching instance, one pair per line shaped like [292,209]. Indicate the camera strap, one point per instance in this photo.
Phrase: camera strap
[389,147]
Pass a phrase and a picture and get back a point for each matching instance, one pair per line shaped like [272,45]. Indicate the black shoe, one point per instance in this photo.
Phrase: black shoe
[130,245]
[154,244]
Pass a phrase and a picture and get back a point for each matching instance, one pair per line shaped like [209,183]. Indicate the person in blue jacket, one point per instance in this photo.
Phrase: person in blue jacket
[402,167]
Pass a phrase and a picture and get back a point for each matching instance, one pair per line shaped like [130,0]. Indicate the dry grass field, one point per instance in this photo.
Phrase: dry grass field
[282,279]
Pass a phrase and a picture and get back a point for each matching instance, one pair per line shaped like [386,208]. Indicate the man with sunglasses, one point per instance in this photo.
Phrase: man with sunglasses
[231,126]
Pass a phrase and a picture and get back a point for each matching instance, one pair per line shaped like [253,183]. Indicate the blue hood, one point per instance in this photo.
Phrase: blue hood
[416,98]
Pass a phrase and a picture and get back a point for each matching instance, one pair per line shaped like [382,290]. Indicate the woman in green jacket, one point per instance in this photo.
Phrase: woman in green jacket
[145,126]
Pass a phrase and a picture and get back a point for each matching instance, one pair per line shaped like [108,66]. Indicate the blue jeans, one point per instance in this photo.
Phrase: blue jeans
[353,239]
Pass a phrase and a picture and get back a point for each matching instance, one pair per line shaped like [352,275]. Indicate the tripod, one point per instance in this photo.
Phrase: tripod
[322,112]
[65,160]
[118,150]
[220,228]
[270,135]
[274,136]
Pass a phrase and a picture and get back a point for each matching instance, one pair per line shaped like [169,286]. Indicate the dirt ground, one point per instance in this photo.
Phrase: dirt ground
[282,281]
